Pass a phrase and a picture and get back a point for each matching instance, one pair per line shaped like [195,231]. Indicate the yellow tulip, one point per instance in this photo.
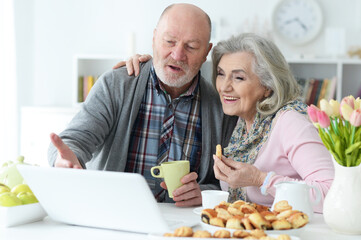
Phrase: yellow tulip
[346,111]
[357,103]
[326,107]
[335,108]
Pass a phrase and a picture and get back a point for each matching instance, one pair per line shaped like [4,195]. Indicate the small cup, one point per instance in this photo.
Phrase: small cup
[211,198]
[172,172]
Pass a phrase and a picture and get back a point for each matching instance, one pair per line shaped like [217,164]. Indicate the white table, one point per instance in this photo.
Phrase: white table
[48,229]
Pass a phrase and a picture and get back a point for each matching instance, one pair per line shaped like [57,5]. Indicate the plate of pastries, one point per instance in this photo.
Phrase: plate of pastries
[188,232]
[241,215]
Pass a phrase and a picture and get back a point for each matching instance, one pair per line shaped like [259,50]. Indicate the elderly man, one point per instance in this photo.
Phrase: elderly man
[167,113]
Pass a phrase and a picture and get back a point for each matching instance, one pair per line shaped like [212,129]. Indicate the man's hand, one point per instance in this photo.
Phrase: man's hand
[133,63]
[189,194]
[66,157]
[237,174]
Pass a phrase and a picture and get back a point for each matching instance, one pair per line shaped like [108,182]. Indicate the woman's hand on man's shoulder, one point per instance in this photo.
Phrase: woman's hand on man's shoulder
[133,63]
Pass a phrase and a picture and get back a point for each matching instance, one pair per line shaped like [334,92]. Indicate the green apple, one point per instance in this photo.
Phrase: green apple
[4,188]
[9,173]
[27,197]
[9,199]
[21,188]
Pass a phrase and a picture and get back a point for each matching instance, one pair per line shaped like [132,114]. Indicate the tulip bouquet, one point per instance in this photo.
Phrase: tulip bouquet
[339,128]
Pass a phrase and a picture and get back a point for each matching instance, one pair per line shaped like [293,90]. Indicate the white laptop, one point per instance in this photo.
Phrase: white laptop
[102,199]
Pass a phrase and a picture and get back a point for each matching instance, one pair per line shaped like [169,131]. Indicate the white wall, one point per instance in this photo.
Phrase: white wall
[51,32]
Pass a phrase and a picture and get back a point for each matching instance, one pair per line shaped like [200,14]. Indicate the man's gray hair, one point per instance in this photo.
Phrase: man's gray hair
[268,64]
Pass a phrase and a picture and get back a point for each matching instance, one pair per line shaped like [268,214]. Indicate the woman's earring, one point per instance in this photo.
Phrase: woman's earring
[267,93]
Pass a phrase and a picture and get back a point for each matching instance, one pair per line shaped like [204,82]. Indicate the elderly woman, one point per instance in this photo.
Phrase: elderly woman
[274,141]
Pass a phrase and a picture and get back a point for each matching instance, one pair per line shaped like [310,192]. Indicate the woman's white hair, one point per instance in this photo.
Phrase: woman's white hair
[268,64]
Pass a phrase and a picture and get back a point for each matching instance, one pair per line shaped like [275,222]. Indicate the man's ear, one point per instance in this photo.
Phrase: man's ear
[209,49]
[154,32]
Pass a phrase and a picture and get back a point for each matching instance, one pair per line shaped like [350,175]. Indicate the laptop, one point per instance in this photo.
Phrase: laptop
[101,199]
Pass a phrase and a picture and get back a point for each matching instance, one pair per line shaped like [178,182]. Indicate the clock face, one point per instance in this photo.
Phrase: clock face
[297,21]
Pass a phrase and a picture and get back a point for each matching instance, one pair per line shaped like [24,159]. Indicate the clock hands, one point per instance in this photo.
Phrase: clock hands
[296,19]
[290,21]
[302,25]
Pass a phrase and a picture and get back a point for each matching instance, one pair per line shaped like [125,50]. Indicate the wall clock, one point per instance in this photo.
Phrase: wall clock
[297,21]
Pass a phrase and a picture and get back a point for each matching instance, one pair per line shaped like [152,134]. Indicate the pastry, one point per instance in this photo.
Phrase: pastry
[282,206]
[281,224]
[258,233]
[216,222]
[168,235]
[207,214]
[267,238]
[202,234]
[222,234]
[283,237]
[234,222]
[259,222]
[260,208]
[269,216]
[298,219]
[246,224]
[237,203]
[223,205]
[183,232]
[234,211]
[242,215]
[241,234]
[219,151]
[284,214]
[224,214]
[247,208]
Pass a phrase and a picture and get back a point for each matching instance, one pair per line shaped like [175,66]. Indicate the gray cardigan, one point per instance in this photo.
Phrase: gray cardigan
[99,134]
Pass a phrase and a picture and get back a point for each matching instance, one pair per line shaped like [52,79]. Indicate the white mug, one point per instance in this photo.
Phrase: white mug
[298,196]
[211,198]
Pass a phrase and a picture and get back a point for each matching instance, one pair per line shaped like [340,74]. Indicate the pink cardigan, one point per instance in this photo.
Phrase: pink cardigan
[294,151]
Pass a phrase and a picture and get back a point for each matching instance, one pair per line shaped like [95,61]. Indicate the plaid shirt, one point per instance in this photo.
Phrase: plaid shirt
[165,130]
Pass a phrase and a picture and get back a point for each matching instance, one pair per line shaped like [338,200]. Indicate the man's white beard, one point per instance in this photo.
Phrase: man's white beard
[173,80]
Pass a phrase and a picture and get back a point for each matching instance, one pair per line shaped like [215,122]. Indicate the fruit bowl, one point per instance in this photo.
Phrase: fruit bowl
[17,215]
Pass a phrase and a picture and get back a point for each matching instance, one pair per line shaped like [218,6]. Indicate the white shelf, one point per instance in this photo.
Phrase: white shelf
[94,65]
[347,71]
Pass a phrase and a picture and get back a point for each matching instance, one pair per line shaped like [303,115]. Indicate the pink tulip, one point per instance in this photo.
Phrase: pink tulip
[323,119]
[355,118]
[312,112]
[349,100]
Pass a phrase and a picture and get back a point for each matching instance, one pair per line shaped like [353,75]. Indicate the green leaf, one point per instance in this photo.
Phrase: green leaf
[337,158]
[352,154]
[358,161]
[353,147]
[339,149]
[325,140]
[358,135]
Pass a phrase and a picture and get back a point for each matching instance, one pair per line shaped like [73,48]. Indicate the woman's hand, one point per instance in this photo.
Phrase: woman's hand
[133,63]
[237,174]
